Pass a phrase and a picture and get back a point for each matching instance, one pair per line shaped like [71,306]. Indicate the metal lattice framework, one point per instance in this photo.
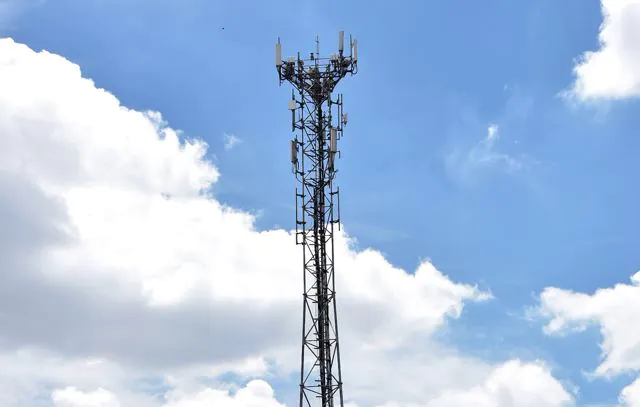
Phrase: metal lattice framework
[318,121]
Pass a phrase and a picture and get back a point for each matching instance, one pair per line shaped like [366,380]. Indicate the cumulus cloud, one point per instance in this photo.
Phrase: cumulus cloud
[512,384]
[630,395]
[612,71]
[118,265]
[72,397]
[615,310]
[257,393]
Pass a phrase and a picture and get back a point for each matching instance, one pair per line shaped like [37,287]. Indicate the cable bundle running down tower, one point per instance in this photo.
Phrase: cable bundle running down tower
[318,121]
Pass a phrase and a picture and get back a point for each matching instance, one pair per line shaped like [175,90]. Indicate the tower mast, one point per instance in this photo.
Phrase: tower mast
[318,121]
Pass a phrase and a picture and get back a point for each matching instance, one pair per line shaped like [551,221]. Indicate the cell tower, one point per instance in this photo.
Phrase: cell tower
[318,121]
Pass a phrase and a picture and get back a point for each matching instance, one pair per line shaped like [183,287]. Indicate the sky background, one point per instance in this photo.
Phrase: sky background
[464,146]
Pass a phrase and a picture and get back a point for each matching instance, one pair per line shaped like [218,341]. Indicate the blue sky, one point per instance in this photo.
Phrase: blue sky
[551,201]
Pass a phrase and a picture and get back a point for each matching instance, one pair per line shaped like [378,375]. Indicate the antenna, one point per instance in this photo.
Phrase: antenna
[333,147]
[334,141]
[317,211]
[278,53]
[292,106]
[355,50]
[294,153]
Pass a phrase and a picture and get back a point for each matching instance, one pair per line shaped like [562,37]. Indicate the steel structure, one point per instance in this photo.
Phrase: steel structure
[318,121]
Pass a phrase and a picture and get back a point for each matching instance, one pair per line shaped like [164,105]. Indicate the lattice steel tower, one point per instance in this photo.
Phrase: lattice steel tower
[318,121]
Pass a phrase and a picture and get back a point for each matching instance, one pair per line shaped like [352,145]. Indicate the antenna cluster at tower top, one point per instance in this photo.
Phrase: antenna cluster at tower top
[339,63]
[315,56]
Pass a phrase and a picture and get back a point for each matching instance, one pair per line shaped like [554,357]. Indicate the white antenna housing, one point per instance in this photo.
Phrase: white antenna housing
[344,119]
[355,50]
[341,41]
[333,145]
[278,54]
[292,104]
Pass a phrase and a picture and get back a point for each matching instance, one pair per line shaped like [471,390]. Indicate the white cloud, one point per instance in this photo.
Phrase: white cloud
[514,384]
[72,397]
[630,395]
[119,265]
[257,393]
[230,141]
[615,310]
[28,376]
[613,71]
